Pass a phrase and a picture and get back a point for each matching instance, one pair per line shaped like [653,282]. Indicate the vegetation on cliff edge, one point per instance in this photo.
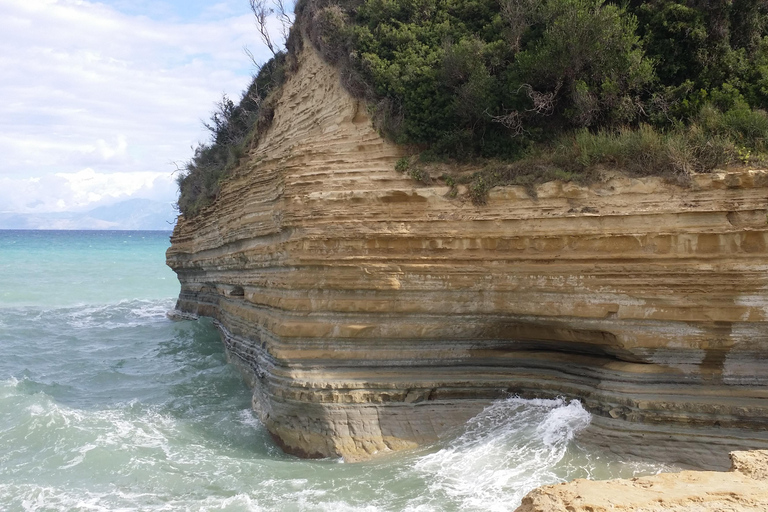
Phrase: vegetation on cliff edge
[233,128]
[534,89]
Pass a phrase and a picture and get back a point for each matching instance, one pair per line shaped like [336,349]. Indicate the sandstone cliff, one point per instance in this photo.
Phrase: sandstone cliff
[372,313]
[744,488]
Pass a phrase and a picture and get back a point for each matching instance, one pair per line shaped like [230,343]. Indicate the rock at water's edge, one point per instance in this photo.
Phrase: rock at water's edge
[744,488]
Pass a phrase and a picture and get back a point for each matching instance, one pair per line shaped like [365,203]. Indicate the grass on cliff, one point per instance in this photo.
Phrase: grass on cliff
[490,78]
[527,90]
[714,140]
[531,91]
[234,127]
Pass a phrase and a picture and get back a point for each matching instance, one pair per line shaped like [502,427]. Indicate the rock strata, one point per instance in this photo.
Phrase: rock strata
[372,313]
[744,488]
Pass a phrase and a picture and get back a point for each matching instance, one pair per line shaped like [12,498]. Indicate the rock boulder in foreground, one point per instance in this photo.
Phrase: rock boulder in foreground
[372,313]
[744,488]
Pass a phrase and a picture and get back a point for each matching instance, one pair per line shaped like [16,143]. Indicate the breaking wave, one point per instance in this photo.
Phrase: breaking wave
[109,405]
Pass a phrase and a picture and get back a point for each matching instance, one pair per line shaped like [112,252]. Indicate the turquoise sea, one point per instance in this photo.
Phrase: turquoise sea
[106,404]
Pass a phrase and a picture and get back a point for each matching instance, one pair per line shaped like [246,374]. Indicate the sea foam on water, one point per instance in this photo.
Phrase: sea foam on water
[510,448]
[106,405]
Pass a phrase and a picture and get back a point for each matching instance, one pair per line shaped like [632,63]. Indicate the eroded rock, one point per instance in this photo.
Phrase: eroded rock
[742,489]
[372,313]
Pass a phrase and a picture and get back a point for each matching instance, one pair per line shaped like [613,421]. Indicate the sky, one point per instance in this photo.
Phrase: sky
[100,102]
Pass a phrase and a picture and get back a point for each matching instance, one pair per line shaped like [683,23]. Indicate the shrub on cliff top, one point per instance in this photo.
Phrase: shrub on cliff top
[487,77]
[468,78]
[659,86]
[232,128]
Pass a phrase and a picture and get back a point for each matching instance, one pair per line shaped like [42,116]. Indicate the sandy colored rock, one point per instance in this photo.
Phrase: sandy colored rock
[687,491]
[753,464]
[373,313]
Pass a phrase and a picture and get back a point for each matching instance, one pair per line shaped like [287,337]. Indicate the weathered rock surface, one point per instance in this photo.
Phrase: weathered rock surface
[372,313]
[744,488]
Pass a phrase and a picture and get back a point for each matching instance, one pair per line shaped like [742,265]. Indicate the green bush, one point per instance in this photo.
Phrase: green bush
[552,89]
[233,128]
[487,78]
[467,78]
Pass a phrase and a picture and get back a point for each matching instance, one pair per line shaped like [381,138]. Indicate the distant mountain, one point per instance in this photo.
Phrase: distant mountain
[138,214]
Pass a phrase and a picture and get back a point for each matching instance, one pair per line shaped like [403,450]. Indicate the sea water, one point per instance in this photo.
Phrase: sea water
[106,404]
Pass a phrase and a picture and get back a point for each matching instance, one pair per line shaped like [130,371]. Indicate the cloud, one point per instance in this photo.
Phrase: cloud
[81,190]
[90,92]
[88,186]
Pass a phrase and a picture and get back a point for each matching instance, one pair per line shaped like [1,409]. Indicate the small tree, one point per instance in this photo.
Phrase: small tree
[262,10]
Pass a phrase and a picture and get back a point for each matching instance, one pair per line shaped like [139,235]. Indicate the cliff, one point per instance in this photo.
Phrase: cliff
[372,313]
[742,489]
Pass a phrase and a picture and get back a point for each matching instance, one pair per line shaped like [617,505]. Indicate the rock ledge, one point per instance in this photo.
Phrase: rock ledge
[744,488]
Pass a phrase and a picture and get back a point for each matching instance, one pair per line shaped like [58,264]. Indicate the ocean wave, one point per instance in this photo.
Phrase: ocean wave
[192,449]
[63,437]
[134,456]
[125,313]
[132,445]
[248,418]
[510,448]
[8,387]
[29,497]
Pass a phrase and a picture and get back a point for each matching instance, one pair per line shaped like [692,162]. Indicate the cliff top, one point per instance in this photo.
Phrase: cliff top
[527,91]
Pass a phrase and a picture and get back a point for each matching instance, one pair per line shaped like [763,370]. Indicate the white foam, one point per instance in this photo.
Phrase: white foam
[248,418]
[35,498]
[125,313]
[80,457]
[337,506]
[562,423]
[510,448]
[155,310]
[8,387]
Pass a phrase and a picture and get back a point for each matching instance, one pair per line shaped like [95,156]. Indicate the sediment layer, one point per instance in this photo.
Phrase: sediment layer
[373,313]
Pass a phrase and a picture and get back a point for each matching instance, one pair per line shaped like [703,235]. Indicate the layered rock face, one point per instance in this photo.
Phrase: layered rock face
[744,488]
[372,313]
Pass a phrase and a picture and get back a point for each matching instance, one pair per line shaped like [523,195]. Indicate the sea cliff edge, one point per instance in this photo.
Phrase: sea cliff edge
[373,313]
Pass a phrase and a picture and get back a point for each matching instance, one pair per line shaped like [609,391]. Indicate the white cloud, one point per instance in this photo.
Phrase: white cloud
[88,186]
[100,103]
[82,190]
